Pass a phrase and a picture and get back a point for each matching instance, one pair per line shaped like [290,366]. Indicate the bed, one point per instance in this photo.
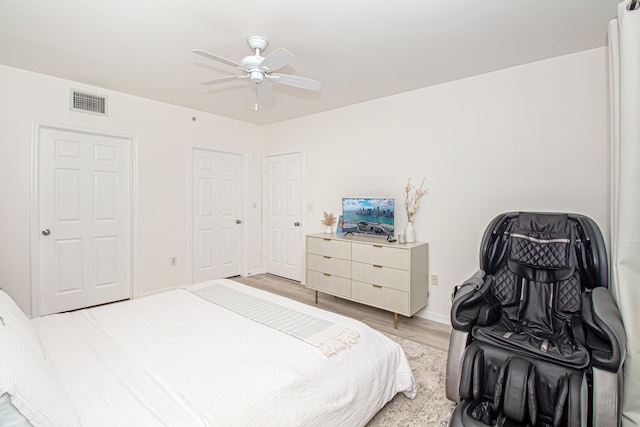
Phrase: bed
[218,353]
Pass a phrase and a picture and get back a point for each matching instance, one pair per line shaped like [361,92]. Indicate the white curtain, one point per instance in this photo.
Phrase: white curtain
[624,62]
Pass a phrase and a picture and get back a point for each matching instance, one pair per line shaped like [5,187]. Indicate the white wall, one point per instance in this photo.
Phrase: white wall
[164,135]
[532,137]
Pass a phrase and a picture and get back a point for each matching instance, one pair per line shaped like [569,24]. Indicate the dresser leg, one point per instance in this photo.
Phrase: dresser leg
[316,297]
[395,320]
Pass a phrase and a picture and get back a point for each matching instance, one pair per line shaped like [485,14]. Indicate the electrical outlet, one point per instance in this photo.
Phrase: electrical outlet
[434,279]
[173,261]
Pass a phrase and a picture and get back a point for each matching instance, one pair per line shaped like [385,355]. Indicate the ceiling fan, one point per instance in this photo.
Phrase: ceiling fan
[260,70]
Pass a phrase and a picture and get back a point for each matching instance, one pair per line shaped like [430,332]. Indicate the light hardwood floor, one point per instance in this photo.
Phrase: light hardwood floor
[433,334]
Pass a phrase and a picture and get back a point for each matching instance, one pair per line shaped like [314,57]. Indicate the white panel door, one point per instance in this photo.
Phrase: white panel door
[217,215]
[283,240]
[84,205]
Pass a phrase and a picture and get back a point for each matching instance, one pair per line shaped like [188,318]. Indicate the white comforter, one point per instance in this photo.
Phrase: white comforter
[175,359]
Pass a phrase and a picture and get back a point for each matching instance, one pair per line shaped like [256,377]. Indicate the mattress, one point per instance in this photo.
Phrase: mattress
[174,358]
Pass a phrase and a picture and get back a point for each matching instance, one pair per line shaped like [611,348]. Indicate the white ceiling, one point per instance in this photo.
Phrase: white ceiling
[360,50]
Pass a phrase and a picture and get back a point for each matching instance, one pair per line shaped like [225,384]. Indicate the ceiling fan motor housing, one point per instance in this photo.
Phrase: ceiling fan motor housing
[256,76]
[252,64]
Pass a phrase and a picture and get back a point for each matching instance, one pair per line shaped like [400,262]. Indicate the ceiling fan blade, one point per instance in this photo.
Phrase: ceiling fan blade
[295,81]
[223,80]
[265,91]
[217,58]
[277,59]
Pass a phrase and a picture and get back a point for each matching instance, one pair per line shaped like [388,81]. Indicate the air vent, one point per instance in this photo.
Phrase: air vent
[88,102]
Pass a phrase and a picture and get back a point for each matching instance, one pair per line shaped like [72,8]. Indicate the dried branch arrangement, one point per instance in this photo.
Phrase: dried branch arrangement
[412,196]
[328,219]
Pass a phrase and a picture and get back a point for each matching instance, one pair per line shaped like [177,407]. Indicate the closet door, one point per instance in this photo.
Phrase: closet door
[217,224]
[282,211]
[84,206]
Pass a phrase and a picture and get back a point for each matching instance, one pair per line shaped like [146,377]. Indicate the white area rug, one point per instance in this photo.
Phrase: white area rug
[431,406]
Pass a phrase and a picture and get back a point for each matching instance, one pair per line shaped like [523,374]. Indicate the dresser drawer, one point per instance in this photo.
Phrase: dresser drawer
[327,264]
[381,275]
[328,283]
[329,247]
[380,255]
[381,297]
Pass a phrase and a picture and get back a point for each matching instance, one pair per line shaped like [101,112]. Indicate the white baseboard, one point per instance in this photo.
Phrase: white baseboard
[435,317]
[170,288]
[255,271]
[157,291]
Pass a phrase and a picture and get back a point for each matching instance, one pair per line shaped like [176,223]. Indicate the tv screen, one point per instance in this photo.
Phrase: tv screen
[370,215]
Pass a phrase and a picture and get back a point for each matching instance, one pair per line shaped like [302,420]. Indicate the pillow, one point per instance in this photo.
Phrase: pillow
[13,318]
[34,389]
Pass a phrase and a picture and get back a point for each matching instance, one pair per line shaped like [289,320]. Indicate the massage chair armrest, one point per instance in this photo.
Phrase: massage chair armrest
[473,303]
[605,329]
[475,281]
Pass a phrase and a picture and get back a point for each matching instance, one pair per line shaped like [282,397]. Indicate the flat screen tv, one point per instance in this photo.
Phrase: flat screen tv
[368,215]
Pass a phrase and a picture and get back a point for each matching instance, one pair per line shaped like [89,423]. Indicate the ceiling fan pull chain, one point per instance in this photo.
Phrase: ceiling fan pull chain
[256,105]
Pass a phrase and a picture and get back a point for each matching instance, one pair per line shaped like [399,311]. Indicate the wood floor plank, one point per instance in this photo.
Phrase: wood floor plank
[424,331]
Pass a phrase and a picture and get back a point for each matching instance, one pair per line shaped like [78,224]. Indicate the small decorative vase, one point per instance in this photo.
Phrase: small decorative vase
[410,233]
[328,230]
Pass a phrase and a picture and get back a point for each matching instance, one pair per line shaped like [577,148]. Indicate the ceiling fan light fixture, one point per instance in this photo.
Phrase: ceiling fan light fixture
[252,65]
[256,76]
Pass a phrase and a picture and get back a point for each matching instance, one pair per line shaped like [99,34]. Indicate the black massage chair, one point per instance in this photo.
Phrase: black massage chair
[537,339]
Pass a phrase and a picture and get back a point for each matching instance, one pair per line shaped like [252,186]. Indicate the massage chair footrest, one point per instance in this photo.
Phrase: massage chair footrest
[497,388]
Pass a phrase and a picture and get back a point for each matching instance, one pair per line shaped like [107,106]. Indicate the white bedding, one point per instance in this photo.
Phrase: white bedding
[175,359]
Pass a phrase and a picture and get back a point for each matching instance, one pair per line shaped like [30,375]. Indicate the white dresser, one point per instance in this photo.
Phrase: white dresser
[369,270]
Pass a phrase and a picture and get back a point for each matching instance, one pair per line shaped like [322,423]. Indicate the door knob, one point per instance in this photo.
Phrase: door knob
[296,224]
[46,232]
[238,221]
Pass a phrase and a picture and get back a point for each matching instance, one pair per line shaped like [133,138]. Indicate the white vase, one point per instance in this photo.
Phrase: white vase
[328,230]
[410,233]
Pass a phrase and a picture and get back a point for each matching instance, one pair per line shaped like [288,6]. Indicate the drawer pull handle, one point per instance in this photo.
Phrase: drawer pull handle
[377,246]
[377,286]
[377,266]
[327,257]
[327,274]
[326,238]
